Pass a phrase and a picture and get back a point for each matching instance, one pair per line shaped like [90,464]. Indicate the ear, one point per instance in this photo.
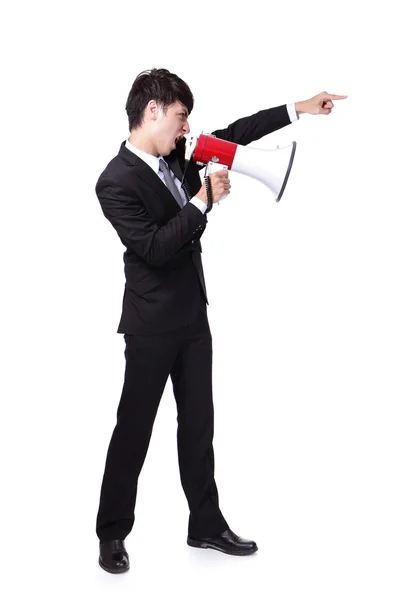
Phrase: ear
[153,109]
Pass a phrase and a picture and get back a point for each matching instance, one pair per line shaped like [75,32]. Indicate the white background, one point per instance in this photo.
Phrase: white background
[304,302]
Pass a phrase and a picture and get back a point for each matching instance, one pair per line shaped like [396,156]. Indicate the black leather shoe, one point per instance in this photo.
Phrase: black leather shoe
[113,556]
[227,541]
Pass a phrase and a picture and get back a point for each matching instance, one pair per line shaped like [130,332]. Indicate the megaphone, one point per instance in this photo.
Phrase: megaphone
[272,167]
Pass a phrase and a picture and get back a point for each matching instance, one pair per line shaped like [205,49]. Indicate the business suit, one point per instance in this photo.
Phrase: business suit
[164,319]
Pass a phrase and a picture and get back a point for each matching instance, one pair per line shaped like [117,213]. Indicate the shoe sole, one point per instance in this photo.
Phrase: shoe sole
[205,545]
[113,571]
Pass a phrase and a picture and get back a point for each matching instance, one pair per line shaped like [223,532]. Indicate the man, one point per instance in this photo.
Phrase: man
[164,313]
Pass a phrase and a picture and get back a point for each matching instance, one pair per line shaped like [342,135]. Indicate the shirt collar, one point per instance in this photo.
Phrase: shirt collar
[152,161]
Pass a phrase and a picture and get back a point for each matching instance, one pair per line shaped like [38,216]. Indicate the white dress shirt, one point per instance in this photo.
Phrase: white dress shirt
[153,162]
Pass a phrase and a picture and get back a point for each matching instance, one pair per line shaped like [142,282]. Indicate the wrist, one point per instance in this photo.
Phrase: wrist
[202,194]
[299,108]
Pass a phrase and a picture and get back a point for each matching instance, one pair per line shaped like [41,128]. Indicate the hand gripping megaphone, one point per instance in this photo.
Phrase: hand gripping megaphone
[271,167]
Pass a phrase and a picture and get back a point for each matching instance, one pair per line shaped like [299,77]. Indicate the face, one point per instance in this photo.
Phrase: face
[169,127]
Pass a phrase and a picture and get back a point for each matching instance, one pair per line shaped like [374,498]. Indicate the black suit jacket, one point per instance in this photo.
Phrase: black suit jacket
[163,269]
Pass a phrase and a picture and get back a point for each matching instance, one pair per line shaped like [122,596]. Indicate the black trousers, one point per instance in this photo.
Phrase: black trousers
[185,355]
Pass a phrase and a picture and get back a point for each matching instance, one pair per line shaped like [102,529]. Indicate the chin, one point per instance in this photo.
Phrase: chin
[168,150]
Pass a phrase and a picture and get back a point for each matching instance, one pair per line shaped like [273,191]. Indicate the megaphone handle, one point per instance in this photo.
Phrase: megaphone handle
[213,167]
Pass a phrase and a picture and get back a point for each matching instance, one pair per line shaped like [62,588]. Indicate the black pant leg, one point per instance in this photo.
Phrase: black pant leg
[149,361]
[192,384]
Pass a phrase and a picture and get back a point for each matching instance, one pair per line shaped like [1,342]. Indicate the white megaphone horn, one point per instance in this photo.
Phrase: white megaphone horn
[272,167]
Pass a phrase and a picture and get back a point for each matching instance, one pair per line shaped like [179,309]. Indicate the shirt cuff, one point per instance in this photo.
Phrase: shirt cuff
[199,203]
[293,116]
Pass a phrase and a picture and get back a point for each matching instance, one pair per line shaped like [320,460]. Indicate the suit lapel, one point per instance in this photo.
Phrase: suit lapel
[146,173]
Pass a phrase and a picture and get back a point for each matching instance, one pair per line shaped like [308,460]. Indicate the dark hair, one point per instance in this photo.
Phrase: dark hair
[156,84]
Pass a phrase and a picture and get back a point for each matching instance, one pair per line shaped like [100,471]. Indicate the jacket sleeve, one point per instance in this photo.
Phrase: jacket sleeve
[139,232]
[248,129]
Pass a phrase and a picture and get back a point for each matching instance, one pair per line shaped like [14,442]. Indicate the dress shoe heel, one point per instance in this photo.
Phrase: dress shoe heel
[196,543]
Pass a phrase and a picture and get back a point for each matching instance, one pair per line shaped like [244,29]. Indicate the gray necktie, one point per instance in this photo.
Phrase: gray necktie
[164,168]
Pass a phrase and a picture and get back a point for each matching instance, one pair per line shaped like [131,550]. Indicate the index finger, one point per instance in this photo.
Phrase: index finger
[335,97]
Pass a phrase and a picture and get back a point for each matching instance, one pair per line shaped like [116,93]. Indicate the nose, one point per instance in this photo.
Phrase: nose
[186,127]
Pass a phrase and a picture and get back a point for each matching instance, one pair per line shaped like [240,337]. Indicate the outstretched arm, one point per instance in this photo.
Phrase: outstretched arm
[248,129]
